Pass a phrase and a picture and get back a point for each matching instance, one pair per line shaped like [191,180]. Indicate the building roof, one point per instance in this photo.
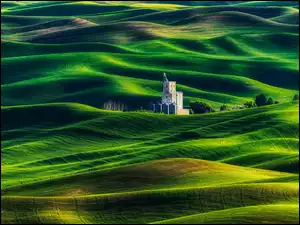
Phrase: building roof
[165,78]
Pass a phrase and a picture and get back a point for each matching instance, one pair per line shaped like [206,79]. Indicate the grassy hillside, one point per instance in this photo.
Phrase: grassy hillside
[150,160]
[67,160]
[140,41]
[289,18]
[272,213]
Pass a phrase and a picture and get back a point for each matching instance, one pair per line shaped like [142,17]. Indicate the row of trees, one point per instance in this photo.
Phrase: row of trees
[260,100]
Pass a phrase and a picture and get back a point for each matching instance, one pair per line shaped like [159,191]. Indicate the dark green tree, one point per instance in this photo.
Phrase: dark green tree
[200,107]
[270,101]
[296,97]
[261,100]
[224,108]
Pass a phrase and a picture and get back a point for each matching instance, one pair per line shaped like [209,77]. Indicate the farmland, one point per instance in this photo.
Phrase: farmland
[65,159]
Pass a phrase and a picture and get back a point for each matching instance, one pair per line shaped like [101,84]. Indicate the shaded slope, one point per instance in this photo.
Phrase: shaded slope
[9,4]
[232,18]
[278,213]
[117,33]
[91,144]
[78,111]
[268,3]
[118,16]
[29,4]
[291,18]
[106,69]
[154,175]
[177,15]
[152,205]
[51,26]
[198,3]
[9,22]
[14,49]
[66,9]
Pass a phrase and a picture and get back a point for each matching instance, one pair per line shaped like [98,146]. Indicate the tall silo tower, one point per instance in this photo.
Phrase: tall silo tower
[169,91]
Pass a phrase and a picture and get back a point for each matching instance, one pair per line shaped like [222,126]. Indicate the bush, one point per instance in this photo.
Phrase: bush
[224,108]
[249,104]
[296,97]
[261,100]
[200,107]
[270,101]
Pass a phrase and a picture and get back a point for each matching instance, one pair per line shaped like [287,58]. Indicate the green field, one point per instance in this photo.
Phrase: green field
[65,159]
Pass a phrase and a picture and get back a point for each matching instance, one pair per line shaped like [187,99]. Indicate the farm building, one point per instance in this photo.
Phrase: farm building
[171,101]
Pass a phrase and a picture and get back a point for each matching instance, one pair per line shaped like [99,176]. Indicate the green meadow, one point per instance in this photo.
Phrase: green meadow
[65,159]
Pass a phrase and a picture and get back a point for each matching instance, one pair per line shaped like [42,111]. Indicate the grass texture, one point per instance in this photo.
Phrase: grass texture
[67,160]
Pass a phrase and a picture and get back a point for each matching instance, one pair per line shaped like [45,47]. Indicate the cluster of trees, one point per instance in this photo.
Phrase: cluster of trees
[260,100]
[200,107]
[114,106]
[224,108]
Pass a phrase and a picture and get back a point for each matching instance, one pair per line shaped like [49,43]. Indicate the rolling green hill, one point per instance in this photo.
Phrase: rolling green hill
[65,159]
[150,160]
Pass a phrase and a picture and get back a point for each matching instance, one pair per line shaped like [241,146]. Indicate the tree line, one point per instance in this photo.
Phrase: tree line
[260,100]
[202,107]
